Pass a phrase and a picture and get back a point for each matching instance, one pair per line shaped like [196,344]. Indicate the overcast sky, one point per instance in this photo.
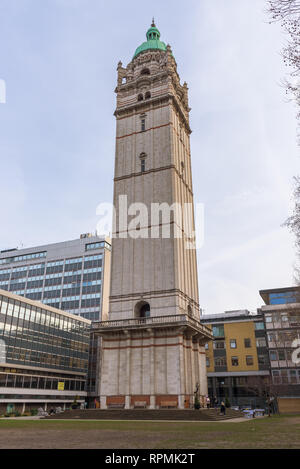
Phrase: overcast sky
[59,58]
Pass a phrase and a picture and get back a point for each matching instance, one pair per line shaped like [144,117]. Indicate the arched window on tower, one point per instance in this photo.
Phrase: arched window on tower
[148,95]
[142,309]
[140,97]
[145,71]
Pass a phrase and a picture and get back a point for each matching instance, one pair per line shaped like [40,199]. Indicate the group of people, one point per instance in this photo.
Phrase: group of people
[42,412]
[213,403]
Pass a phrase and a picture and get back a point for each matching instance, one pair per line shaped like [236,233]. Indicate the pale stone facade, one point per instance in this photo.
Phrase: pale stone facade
[154,363]
[153,343]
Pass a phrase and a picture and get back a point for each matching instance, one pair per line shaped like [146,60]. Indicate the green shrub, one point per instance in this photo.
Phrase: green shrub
[33,412]
[197,403]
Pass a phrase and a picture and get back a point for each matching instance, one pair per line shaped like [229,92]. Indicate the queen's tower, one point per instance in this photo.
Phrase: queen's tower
[153,343]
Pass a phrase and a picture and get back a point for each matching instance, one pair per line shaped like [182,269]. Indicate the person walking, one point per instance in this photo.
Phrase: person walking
[223,408]
[207,402]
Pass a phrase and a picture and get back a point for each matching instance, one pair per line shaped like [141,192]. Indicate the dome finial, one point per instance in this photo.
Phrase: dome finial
[153,41]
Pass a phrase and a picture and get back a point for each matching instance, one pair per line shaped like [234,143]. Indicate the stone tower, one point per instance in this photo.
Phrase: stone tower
[153,343]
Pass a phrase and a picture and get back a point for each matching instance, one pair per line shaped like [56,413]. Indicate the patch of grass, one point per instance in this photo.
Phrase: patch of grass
[275,432]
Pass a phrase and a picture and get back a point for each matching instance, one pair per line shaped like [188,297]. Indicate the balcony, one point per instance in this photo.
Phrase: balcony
[155,321]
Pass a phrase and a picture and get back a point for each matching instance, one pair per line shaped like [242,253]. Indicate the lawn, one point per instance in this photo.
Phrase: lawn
[274,432]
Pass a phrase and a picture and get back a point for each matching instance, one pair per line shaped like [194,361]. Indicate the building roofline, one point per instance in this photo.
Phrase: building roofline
[239,315]
[7,253]
[40,305]
[265,293]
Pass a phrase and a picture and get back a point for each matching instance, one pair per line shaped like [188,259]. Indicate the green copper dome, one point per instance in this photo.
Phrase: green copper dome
[152,43]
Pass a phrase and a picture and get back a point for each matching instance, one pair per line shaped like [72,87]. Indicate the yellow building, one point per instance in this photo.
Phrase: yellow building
[237,358]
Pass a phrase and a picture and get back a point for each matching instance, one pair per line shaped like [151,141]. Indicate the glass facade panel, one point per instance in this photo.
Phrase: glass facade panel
[218,331]
[281,298]
[35,336]
[259,326]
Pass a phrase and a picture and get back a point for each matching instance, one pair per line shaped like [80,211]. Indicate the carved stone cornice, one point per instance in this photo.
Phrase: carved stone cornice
[143,106]
[134,296]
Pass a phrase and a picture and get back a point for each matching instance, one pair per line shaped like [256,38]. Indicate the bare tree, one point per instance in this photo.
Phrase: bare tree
[287,13]
[293,223]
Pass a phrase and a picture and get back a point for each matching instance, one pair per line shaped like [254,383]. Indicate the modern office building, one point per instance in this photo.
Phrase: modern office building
[43,355]
[72,276]
[237,359]
[281,314]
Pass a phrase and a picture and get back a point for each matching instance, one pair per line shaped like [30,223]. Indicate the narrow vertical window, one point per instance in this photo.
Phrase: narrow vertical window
[143,162]
[249,360]
[143,125]
[247,343]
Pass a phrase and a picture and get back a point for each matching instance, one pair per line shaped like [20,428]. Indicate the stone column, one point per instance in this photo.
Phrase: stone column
[152,402]
[181,370]
[181,402]
[103,402]
[194,345]
[202,371]
[152,369]
[127,402]
[128,371]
